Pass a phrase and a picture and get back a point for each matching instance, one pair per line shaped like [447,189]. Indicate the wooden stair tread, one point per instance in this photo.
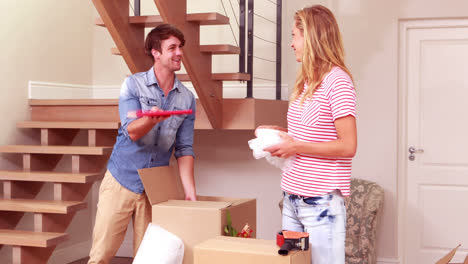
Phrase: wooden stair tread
[36,149]
[206,19]
[220,49]
[115,51]
[30,239]
[213,49]
[236,76]
[67,124]
[41,206]
[155,20]
[52,176]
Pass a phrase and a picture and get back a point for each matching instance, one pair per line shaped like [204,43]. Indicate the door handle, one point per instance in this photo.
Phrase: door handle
[412,151]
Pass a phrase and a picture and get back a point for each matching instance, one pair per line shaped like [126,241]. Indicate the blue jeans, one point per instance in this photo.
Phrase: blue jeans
[324,218]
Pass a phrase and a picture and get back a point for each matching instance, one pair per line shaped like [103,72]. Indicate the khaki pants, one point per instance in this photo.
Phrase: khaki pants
[115,208]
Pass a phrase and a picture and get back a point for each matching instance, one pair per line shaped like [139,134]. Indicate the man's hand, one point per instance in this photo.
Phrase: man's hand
[138,128]
[185,164]
[152,119]
[191,197]
[284,149]
[157,119]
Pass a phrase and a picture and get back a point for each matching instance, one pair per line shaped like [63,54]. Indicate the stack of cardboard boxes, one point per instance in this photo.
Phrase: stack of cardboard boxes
[205,219]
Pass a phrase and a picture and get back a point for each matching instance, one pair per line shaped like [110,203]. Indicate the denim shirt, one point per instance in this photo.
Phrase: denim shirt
[142,91]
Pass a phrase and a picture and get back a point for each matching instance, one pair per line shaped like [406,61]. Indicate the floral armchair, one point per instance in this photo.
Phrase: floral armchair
[362,208]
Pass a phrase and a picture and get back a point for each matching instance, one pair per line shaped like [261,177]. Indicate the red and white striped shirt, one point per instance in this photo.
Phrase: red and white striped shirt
[313,121]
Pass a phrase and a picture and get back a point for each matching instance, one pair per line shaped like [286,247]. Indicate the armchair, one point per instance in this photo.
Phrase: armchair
[362,208]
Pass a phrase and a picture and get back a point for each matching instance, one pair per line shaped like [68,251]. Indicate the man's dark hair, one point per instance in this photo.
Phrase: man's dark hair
[160,33]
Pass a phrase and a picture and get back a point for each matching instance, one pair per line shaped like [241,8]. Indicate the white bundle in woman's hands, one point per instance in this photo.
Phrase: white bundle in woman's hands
[267,138]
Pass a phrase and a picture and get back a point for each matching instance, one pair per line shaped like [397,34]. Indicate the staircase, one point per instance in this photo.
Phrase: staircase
[51,217]
[58,123]
[213,112]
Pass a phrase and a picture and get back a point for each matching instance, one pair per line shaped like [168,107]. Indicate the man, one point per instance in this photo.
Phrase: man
[145,142]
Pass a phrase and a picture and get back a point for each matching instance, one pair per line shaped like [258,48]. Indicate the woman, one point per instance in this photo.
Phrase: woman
[321,133]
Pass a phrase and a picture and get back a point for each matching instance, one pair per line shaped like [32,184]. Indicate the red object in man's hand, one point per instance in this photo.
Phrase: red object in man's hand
[141,113]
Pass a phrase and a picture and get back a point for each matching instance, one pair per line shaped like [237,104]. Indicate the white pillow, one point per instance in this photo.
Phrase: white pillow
[159,246]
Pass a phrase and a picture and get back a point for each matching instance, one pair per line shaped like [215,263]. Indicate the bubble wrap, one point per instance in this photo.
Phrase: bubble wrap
[267,138]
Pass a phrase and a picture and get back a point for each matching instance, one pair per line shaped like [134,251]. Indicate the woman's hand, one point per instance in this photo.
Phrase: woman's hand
[270,127]
[285,149]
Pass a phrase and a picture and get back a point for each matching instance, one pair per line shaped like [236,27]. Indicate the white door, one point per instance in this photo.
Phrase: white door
[434,186]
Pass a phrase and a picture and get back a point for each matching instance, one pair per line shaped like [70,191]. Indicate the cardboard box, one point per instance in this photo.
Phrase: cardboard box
[233,250]
[192,221]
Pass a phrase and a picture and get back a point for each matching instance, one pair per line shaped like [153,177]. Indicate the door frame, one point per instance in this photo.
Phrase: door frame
[404,26]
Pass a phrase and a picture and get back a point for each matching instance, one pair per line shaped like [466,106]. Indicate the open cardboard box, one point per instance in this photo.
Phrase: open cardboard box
[192,221]
[446,259]
[234,250]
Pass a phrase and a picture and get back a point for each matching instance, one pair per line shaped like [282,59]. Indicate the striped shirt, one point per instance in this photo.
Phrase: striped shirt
[313,121]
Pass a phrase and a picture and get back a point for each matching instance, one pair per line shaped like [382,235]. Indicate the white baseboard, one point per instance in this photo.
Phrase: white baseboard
[387,261]
[106,92]
[71,253]
[48,90]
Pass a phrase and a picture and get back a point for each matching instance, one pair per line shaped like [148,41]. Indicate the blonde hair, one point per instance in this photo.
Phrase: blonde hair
[322,48]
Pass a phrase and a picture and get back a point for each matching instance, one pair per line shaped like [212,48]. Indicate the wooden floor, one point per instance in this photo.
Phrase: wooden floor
[116,260]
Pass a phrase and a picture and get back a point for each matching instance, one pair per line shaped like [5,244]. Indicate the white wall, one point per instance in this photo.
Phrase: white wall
[41,40]
[48,41]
